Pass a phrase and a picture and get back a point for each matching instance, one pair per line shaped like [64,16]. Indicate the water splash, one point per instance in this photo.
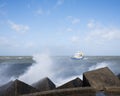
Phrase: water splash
[42,68]
[98,65]
[3,78]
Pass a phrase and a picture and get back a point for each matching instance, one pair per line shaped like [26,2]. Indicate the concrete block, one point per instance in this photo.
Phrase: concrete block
[77,82]
[44,84]
[100,78]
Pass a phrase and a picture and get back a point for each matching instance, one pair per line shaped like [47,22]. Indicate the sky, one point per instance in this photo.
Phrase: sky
[59,27]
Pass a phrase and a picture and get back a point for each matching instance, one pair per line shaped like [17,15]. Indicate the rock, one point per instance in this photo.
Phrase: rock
[71,84]
[15,88]
[4,88]
[80,91]
[112,91]
[118,76]
[100,78]
[44,84]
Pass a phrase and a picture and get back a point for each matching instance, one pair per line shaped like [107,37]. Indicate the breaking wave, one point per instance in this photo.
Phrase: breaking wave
[39,70]
[59,69]
[3,79]
[44,67]
[98,65]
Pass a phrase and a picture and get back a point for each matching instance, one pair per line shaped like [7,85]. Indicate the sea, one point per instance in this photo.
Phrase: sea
[60,69]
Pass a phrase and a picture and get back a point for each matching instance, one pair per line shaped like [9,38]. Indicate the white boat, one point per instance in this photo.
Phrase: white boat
[78,55]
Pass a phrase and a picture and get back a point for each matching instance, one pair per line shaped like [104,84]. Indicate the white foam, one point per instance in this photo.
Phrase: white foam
[42,68]
[3,77]
[98,65]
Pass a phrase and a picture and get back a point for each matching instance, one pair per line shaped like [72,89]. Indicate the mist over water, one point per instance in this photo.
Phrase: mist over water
[9,71]
[40,69]
[60,69]
[98,65]
[2,71]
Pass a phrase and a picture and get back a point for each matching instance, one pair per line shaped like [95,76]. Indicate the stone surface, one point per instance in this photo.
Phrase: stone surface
[71,84]
[86,91]
[100,82]
[118,76]
[15,88]
[100,78]
[6,88]
[112,91]
[44,84]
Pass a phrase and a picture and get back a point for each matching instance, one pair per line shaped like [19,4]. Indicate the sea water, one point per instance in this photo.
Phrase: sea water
[60,69]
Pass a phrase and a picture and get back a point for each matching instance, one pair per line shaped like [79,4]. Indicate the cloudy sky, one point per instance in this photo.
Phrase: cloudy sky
[60,27]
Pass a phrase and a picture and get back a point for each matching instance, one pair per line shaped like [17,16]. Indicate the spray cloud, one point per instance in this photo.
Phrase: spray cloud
[39,70]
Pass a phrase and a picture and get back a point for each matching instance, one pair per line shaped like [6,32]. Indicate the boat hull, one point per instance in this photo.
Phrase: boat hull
[77,58]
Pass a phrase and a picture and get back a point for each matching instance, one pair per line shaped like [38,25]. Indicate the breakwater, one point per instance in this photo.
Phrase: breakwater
[97,81]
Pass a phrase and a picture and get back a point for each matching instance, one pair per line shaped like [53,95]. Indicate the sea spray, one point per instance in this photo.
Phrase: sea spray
[92,67]
[45,66]
[61,81]
[98,65]
[42,68]
[4,78]
[60,69]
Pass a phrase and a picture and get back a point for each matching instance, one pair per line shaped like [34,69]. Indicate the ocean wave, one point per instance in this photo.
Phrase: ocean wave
[40,69]
[98,65]
[58,69]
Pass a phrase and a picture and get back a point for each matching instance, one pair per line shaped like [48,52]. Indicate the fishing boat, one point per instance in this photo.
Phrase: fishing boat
[78,55]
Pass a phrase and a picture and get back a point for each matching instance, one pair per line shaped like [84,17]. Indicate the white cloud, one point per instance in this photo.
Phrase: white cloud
[101,34]
[39,12]
[73,20]
[69,30]
[12,43]
[3,41]
[91,24]
[75,39]
[18,27]
[58,3]
[42,11]
[30,45]
[8,42]
[69,17]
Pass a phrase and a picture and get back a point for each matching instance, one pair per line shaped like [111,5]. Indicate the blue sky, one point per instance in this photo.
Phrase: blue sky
[60,27]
